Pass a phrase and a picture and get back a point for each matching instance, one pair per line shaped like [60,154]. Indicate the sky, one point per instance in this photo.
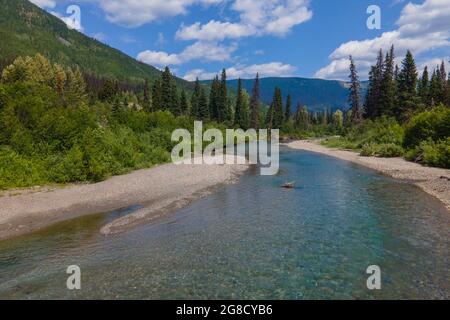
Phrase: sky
[304,38]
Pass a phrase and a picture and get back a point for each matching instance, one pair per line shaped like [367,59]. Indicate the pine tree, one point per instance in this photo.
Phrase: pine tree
[146,101]
[255,104]
[195,100]
[156,95]
[288,111]
[435,89]
[222,104]
[214,99]
[407,88]
[175,100]
[238,108]
[355,93]
[166,90]
[278,114]
[424,87]
[443,78]
[388,86]
[184,105]
[373,97]
[203,108]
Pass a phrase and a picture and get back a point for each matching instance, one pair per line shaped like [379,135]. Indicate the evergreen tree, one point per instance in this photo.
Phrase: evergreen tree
[203,108]
[147,101]
[195,100]
[407,88]
[156,95]
[166,95]
[443,78]
[238,113]
[373,97]
[355,93]
[175,100]
[214,99]
[245,117]
[435,89]
[288,111]
[222,104]
[388,86]
[277,110]
[184,104]
[255,104]
[424,87]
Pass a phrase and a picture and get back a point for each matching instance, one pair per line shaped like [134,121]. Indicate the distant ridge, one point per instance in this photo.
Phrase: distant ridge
[316,94]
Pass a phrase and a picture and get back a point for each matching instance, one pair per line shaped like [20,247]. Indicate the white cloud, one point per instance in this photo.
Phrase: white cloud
[421,28]
[273,69]
[432,63]
[135,13]
[200,50]
[158,58]
[44,3]
[275,17]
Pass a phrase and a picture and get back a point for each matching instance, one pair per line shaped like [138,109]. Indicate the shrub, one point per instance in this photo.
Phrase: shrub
[431,125]
[384,150]
[431,153]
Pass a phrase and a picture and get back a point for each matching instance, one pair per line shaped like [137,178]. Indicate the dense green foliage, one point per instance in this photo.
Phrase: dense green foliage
[51,133]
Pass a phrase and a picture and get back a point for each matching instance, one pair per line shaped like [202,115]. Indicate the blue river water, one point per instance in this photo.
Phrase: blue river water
[252,240]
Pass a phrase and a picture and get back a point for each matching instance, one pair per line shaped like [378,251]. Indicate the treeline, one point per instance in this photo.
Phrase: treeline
[54,130]
[403,114]
[400,93]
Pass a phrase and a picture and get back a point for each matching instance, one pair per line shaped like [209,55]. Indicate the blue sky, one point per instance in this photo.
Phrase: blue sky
[307,38]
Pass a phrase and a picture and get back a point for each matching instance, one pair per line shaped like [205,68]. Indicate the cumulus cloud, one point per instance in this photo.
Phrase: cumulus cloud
[272,69]
[421,28]
[44,3]
[275,17]
[134,13]
[199,50]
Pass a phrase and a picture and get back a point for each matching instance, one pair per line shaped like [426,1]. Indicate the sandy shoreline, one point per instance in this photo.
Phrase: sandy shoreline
[434,181]
[158,190]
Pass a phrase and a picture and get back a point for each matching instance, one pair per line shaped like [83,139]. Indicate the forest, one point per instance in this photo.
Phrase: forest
[59,125]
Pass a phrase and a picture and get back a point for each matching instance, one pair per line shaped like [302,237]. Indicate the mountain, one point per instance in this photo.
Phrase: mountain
[26,29]
[316,94]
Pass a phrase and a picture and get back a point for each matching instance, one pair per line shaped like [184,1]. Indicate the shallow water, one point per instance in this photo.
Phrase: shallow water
[253,240]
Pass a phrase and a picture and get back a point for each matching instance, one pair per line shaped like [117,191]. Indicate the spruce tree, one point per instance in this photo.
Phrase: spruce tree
[195,100]
[222,104]
[407,88]
[175,100]
[156,95]
[203,108]
[166,90]
[373,97]
[443,78]
[238,108]
[388,86]
[424,87]
[147,101]
[278,114]
[288,111]
[214,99]
[435,89]
[184,105]
[254,104]
[355,93]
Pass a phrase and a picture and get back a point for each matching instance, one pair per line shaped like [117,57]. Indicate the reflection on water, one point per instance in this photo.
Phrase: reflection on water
[253,240]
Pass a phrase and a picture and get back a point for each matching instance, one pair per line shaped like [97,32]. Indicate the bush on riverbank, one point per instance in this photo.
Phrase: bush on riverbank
[424,139]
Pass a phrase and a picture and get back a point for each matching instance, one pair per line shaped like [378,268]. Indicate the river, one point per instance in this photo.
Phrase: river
[252,240]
